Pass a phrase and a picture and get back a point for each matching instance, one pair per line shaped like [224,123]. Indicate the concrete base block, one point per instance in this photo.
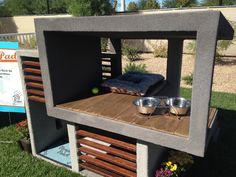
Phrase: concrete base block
[71,128]
[149,156]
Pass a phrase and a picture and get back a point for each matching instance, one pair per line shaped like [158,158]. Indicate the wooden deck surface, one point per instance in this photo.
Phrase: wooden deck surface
[119,107]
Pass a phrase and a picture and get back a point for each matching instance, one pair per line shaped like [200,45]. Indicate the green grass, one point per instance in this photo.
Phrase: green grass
[15,163]
[220,158]
[220,100]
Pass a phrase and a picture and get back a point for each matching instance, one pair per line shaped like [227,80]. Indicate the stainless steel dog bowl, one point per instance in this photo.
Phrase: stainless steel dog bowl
[178,105]
[146,105]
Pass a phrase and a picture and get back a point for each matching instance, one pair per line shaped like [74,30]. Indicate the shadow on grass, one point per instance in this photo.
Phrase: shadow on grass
[7,119]
[220,158]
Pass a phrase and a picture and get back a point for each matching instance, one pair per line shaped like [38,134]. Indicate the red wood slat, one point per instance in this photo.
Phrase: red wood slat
[37,99]
[35,85]
[32,70]
[98,170]
[114,160]
[108,149]
[115,142]
[107,166]
[31,63]
[35,92]
[33,78]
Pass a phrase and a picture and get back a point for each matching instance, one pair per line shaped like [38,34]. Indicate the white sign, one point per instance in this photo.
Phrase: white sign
[11,94]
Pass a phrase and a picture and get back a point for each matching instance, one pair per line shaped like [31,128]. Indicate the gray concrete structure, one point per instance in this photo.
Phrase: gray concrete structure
[69,51]
[149,157]
[42,128]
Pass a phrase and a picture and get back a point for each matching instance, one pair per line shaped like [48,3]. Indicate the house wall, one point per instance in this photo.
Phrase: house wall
[22,24]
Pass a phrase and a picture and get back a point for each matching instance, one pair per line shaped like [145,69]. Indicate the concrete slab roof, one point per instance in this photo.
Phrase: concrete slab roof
[182,24]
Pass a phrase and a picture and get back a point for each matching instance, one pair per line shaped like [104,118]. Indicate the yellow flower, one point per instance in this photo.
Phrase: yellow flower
[173,167]
[169,163]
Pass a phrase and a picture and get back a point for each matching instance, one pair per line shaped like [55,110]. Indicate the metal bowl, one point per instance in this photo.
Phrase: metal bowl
[146,105]
[178,105]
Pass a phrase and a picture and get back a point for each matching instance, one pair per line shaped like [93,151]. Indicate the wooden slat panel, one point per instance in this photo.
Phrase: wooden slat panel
[106,72]
[31,63]
[32,70]
[108,149]
[106,62]
[98,170]
[33,78]
[106,65]
[115,160]
[115,142]
[36,92]
[212,113]
[37,99]
[107,166]
[106,77]
[35,85]
[107,55]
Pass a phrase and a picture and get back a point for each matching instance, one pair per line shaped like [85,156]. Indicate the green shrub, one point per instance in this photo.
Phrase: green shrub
[222,45]
[188,79]
[132,6]
[130,52]
[160,50]
[104,44]
[191,46]
[90,7]
[151,4]
[148,4]
[135,67]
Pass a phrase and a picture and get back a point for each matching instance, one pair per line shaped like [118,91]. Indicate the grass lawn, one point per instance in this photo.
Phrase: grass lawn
[15,163]
[220,159]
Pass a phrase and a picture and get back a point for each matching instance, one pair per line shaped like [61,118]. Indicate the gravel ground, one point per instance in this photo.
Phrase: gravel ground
[224,74]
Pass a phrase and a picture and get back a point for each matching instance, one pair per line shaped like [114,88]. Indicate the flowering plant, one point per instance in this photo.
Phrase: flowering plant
[178,162]
[22,128]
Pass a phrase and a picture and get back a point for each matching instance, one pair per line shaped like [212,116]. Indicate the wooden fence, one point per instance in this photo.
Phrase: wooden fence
[26,40]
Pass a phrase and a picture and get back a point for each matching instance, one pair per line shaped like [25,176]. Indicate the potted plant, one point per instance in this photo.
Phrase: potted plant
[177,165]
[24,142]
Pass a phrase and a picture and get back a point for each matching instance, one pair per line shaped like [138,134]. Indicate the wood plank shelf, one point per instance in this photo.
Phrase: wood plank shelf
[119,107]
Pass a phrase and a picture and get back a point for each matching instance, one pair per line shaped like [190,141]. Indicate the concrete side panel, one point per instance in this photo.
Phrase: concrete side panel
[73,61]
[71,128]
[149,157]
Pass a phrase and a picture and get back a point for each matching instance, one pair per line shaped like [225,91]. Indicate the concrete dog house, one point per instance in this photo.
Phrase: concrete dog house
[71,63]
